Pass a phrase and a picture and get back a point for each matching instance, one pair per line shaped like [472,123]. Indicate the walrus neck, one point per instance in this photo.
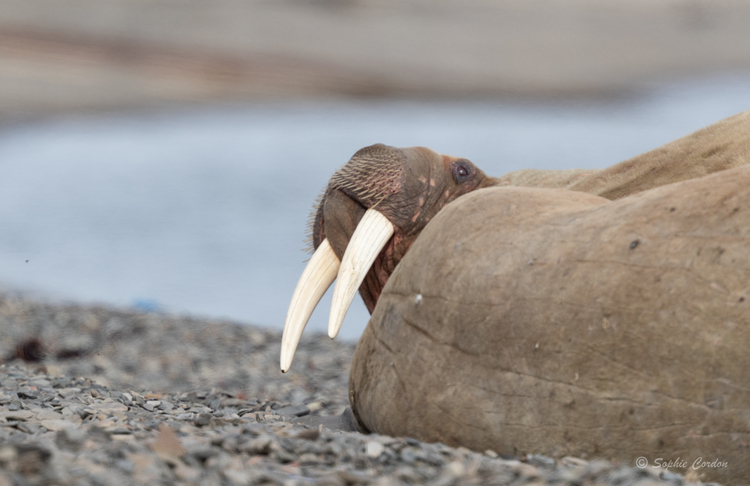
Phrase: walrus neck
[382,268]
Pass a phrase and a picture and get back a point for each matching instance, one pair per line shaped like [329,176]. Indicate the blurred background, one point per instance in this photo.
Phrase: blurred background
[165,154]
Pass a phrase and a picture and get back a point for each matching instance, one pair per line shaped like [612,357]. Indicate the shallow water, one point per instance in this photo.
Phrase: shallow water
[205,212]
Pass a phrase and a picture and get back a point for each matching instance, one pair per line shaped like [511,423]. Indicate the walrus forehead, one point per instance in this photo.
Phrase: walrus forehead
[372,174]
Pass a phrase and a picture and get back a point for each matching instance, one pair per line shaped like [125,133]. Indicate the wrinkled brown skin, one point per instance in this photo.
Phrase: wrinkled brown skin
[529,320]
[425,185]
[560,323]
[712,149]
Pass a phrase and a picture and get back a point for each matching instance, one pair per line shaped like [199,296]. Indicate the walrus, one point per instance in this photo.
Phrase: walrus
[595,313]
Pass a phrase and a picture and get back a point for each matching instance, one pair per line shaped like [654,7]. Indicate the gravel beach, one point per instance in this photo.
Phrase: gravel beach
[100,396]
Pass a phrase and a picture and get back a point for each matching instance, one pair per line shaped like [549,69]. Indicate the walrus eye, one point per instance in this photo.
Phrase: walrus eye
[462,171]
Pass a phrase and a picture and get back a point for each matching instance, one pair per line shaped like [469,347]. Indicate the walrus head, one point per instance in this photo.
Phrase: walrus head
[372,210]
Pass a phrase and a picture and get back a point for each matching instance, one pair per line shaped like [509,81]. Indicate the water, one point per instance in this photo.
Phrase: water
[204,212]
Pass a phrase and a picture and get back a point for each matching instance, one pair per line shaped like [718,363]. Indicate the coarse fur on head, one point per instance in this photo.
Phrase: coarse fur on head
[409,186]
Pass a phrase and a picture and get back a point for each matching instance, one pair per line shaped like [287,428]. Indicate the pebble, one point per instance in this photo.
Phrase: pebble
[156,399]
[374,449]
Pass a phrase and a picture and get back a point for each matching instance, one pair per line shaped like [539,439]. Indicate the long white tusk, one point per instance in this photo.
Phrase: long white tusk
[372,233]
[318,275]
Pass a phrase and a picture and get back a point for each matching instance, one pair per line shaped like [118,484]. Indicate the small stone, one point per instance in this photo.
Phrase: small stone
[8,454]
[260,445]
[125,465]
[527,470]
[314,406]
[27,393]
[308,434]
[573,461]
[22,415]
[204,453]
[330,479]
[293,410]
[70,439]
[99,434]
[432,457]
[490,453]
[56,425]
[374,449]
[186,473]
[123,438]
[203,419]
[32,458]
[408,456]
[283,456]
[354,477]
[455,469]
[48,415]
[231,402]
[309,459]
[108,407]
[539,460]
[68,392]
[237,477]
[463,451]
[167,446]
[28,427]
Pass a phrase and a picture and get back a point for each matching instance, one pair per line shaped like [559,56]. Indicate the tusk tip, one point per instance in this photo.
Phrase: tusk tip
[333,331]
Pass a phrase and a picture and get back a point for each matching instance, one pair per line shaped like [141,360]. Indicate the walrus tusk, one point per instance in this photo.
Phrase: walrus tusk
[372,233]
[318,275]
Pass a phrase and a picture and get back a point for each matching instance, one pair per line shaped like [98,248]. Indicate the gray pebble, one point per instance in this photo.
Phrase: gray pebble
[260,445]
[408,456]
[70,439]
[167,406]
[205,453]
[539,460]
[125,465]
[203,419]
[293,411]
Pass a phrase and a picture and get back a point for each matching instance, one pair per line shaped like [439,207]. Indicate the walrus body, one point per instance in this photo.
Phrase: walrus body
[528,320]
[600,313]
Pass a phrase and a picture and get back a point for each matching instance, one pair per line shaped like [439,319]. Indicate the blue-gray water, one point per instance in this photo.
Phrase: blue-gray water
[204,212]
